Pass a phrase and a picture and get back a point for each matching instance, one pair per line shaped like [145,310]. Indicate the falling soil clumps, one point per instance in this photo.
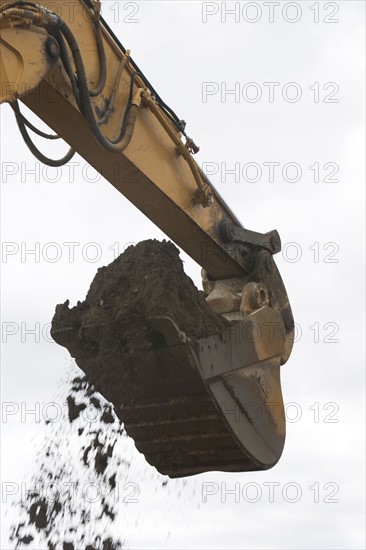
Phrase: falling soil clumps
[74,408]
[58,511]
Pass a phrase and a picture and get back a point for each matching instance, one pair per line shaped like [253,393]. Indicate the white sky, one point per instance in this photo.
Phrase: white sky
[179,53]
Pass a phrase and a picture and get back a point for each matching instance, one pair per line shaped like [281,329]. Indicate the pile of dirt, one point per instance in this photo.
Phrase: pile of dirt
[146,281]
[121,339]
[112,334]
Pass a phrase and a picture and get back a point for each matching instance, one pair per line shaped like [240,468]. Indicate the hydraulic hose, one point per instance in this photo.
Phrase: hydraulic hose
[122,141]
[36,152]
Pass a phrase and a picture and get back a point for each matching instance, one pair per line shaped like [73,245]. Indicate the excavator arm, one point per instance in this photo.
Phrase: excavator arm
[63,61]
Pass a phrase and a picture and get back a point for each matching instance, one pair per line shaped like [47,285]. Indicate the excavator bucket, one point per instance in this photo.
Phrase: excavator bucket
[195,391]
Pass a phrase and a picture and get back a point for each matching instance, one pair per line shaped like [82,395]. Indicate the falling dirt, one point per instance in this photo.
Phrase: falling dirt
[53,511]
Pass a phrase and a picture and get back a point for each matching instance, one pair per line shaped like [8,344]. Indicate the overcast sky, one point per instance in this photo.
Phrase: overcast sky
[298,101]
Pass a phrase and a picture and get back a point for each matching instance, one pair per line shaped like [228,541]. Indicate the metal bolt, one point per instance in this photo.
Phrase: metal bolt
[254,296]
[52,47]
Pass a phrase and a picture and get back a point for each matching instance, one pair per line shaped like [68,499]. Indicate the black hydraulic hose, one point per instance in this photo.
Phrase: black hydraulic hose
[36,152]
[64,56]
[37,130]
[100,49]
[124,138]
[102,60]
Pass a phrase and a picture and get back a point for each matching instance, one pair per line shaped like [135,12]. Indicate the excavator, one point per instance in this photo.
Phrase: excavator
[63,61]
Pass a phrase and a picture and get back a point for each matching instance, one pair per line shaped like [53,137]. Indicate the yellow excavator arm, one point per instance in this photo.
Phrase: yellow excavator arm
[63,61]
